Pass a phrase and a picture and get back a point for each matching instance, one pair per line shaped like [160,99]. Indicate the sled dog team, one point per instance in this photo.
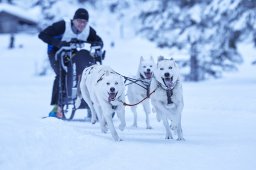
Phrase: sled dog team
[103,90]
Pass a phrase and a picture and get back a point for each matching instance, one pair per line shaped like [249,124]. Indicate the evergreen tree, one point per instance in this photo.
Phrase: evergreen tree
[207,30]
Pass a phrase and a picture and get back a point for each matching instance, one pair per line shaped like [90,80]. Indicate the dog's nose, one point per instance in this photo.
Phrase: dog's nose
[148,70]
[112,89]
[167,74]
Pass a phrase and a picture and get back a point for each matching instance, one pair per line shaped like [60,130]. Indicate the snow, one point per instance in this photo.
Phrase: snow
[19,12]
[218,119]
[195,13]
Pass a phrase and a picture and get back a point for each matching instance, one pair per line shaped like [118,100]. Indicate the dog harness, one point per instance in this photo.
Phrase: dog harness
[169,91]
[146,84]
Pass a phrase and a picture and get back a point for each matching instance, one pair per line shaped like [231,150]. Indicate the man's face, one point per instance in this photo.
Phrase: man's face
[80,24]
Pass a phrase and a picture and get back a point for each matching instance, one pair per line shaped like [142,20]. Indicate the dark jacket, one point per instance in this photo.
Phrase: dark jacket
[52,35]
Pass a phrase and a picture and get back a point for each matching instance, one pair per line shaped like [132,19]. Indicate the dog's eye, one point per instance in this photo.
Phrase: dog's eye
[116,83]
[108,83]
[150,66]
[161,68]
[144,66]
[170,67]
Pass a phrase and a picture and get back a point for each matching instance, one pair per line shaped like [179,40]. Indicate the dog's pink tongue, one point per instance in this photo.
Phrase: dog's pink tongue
[169,83]
[111,96]
[148,75]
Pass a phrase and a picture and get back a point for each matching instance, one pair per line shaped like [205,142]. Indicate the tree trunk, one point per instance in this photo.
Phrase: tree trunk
[194,67]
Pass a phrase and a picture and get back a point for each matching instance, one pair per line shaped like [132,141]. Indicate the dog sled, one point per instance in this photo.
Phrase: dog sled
[68,80]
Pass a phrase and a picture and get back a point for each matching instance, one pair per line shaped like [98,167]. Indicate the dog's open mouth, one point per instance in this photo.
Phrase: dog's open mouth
[112,96]
[148,74]
[168,82]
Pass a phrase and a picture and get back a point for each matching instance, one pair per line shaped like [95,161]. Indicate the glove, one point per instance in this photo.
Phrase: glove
[96,45]
[63,44]
[95,52]
[99,43]
[99,55]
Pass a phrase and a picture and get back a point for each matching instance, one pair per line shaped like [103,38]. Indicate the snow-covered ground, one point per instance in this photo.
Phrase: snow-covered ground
[218,119]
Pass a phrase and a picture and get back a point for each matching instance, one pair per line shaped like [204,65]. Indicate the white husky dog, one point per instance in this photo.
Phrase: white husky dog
[168,96]
[139,90]
[103,89]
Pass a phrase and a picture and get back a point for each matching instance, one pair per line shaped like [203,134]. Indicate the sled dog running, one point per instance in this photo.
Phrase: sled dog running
[168,97]
[139,90]
[103,89]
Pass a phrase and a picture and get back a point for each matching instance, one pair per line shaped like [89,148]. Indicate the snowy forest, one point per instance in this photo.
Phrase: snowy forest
[187,26]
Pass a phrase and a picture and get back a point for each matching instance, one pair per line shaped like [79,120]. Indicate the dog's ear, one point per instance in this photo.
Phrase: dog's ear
[160,58]
[151,58]
[175,64]
[141,59]
[172,59]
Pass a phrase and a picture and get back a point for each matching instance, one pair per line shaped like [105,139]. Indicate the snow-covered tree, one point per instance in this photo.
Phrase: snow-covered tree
[54,10]
[207,30]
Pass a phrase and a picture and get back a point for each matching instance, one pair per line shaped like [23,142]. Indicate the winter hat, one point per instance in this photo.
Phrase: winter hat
[81,13]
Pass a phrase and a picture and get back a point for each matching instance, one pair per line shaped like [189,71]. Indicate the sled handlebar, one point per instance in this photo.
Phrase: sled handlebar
[74,44]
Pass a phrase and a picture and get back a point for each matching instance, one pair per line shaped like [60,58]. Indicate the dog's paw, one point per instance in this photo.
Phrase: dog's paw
[93,121]
[118,139]
[168,136]
[121,127]
[180,139]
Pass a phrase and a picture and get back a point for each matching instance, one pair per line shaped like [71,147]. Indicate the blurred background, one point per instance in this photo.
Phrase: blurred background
[205,33]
